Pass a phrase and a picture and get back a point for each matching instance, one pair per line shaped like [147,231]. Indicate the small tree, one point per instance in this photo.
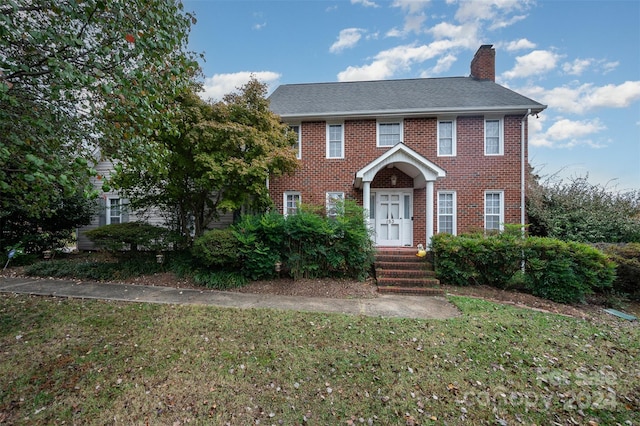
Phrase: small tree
[217,157]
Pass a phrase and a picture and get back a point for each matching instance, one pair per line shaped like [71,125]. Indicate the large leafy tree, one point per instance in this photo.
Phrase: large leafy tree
[75,75]
[214,158]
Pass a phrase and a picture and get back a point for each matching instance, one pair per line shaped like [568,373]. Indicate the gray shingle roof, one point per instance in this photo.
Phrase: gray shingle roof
[399,97]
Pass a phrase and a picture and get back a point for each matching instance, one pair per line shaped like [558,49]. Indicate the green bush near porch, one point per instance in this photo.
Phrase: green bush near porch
[556,270]
[309,244]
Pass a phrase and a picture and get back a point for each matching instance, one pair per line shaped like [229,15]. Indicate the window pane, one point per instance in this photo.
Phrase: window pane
[492,136]
[335,140]
[296,145]
[389,133]
[445,135]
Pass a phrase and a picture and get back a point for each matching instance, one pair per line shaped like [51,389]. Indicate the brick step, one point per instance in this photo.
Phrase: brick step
[399,258]
[399,272]
[415,291]
[412,266]
[408,282]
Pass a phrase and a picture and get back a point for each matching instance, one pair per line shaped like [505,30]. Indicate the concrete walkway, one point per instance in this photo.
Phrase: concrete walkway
[425,307]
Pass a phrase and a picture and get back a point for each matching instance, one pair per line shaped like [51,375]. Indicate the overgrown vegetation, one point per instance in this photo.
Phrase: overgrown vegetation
[580,211]
[556,270]
[305,245]
[627,259]
[90,362]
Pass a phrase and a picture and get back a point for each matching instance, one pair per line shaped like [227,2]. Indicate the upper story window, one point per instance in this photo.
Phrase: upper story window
[335,141]
[446,138]
[114,211]
[493,210]
[291,202]
[335,201]
[447,212]
[389,133]
[298,145]
[493,136]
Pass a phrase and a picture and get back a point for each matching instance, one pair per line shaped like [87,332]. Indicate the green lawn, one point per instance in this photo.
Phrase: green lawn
[93,362]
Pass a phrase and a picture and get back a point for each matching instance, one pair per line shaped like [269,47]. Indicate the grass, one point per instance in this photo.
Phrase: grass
[93,362]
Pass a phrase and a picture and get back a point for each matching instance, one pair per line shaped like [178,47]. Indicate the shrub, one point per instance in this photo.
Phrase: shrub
[627,257]
[132,236]
[218,248]
[560,271]
[307,244]
[221,280]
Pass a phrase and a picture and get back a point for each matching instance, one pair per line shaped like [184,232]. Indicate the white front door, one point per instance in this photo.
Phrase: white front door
[393,218]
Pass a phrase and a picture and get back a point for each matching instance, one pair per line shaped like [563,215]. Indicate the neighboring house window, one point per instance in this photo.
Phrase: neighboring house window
[298,145]
[114,211]
[334,203]
[335,141]
[447,213]
[493,210]
[493,136]
[389,134]
[291,202]
[446,138]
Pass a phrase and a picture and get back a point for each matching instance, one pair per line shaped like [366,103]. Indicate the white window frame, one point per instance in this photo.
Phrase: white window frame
[500,213]
[453,122]
[331,200]
[500,121]
[286,210]
[299,133]
[109,216]
[329,126]
[453,214]
[400,124]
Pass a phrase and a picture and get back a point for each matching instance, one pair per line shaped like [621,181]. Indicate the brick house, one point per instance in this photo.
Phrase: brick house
[422,156]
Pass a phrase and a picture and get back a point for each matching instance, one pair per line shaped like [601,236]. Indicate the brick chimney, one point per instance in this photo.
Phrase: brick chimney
[483,65]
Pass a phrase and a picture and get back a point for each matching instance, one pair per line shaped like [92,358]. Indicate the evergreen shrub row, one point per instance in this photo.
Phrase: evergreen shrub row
[308,244]
[556,270]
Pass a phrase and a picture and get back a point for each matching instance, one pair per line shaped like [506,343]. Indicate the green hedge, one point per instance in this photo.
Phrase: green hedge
[305,245]
[560,271]
[627,257]
[131,236]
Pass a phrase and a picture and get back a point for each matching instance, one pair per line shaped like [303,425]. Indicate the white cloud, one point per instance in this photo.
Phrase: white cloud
[585,97]
[347,38]
[565,133]
[215,87]
[522,44]
[414,18]
[258,27]
[444,64]
[534,63]
[365,3]
[411,6]
[607,67]
[491,10]
[576,67]
[400,58]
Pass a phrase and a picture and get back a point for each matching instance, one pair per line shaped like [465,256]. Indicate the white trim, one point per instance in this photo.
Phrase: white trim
[454,213]
[328,150]
[285,205]
[454,125]
[400,122]
[500,121]
[501,208]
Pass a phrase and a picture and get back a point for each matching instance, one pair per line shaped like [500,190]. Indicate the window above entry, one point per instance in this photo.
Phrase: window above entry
[389,133]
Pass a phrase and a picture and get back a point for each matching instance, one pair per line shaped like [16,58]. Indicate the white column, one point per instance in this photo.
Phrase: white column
[429,209]
[366,202]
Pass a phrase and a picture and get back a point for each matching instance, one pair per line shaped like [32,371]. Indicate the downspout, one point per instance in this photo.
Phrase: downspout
[522,185]
[522,172]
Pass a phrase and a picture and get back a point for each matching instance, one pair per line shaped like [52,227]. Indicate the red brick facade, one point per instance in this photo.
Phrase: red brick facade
[469,172]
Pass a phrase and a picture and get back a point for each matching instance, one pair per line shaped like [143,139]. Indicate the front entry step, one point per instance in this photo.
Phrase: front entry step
[400,271]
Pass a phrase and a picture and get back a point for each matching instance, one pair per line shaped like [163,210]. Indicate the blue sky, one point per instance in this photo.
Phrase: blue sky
[581,58]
